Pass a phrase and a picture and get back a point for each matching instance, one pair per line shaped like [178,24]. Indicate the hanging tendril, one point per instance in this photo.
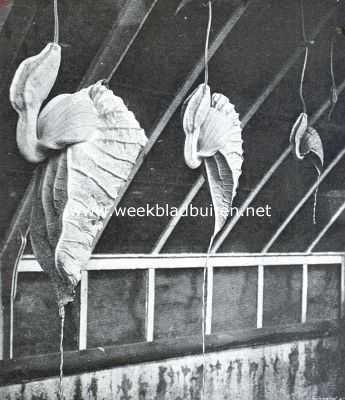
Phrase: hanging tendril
[315,200]
[62,324]
[305,57]
[208,31]
[203,318]
[302,80]
[334,92]
[14,284]
[56,22]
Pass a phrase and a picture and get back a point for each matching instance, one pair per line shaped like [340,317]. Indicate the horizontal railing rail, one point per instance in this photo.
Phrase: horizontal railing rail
[104,262]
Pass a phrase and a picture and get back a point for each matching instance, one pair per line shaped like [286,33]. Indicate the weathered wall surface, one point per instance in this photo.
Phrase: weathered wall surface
[302,370]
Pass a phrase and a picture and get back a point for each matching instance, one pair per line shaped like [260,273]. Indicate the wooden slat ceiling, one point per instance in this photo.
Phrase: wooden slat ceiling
[154,69]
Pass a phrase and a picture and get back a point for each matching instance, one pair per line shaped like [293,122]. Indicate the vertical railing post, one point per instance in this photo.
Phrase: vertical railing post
[342,288]
[84,289]
[209,301]
[150,304]
[304,300]
[260,298]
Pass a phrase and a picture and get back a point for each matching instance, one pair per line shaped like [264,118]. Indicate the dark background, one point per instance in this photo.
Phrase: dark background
[150,75]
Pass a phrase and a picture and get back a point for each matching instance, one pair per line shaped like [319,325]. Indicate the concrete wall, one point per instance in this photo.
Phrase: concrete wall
[302,370]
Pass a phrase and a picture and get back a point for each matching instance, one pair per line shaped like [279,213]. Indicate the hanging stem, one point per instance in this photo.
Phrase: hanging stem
[14,284]
[62,324]
[302,80]
[332,60]
[208,31]
[315,200]
[334,93]
[56,22]
[305,58]
[203,324]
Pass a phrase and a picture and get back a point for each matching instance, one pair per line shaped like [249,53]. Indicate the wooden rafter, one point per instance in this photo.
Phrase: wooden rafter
[248,116]
[119,40]
[22,14]
[326,228]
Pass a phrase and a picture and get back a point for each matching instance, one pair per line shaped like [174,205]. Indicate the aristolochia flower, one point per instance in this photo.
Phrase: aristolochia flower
[89,141]
[214,136]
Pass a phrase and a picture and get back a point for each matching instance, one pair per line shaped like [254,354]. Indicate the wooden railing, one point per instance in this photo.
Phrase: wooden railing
[152,263]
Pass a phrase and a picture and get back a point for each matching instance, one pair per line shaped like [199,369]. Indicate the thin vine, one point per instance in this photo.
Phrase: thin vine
[56,22]
[305,57]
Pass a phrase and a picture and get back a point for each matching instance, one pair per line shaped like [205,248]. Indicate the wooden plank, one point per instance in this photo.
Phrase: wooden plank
[33,368]
[84,289]
[246,119]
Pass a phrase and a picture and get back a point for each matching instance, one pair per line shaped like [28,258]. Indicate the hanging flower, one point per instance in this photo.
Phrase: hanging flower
[89,141]
[307,142]
[30,86]
[213,136]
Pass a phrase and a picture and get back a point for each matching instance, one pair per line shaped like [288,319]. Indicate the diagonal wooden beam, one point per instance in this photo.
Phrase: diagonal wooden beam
[122,35]
[326,228]
[5,10]
[175,220]
[248,116]
[13,34]
[304,199]
[107,60]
